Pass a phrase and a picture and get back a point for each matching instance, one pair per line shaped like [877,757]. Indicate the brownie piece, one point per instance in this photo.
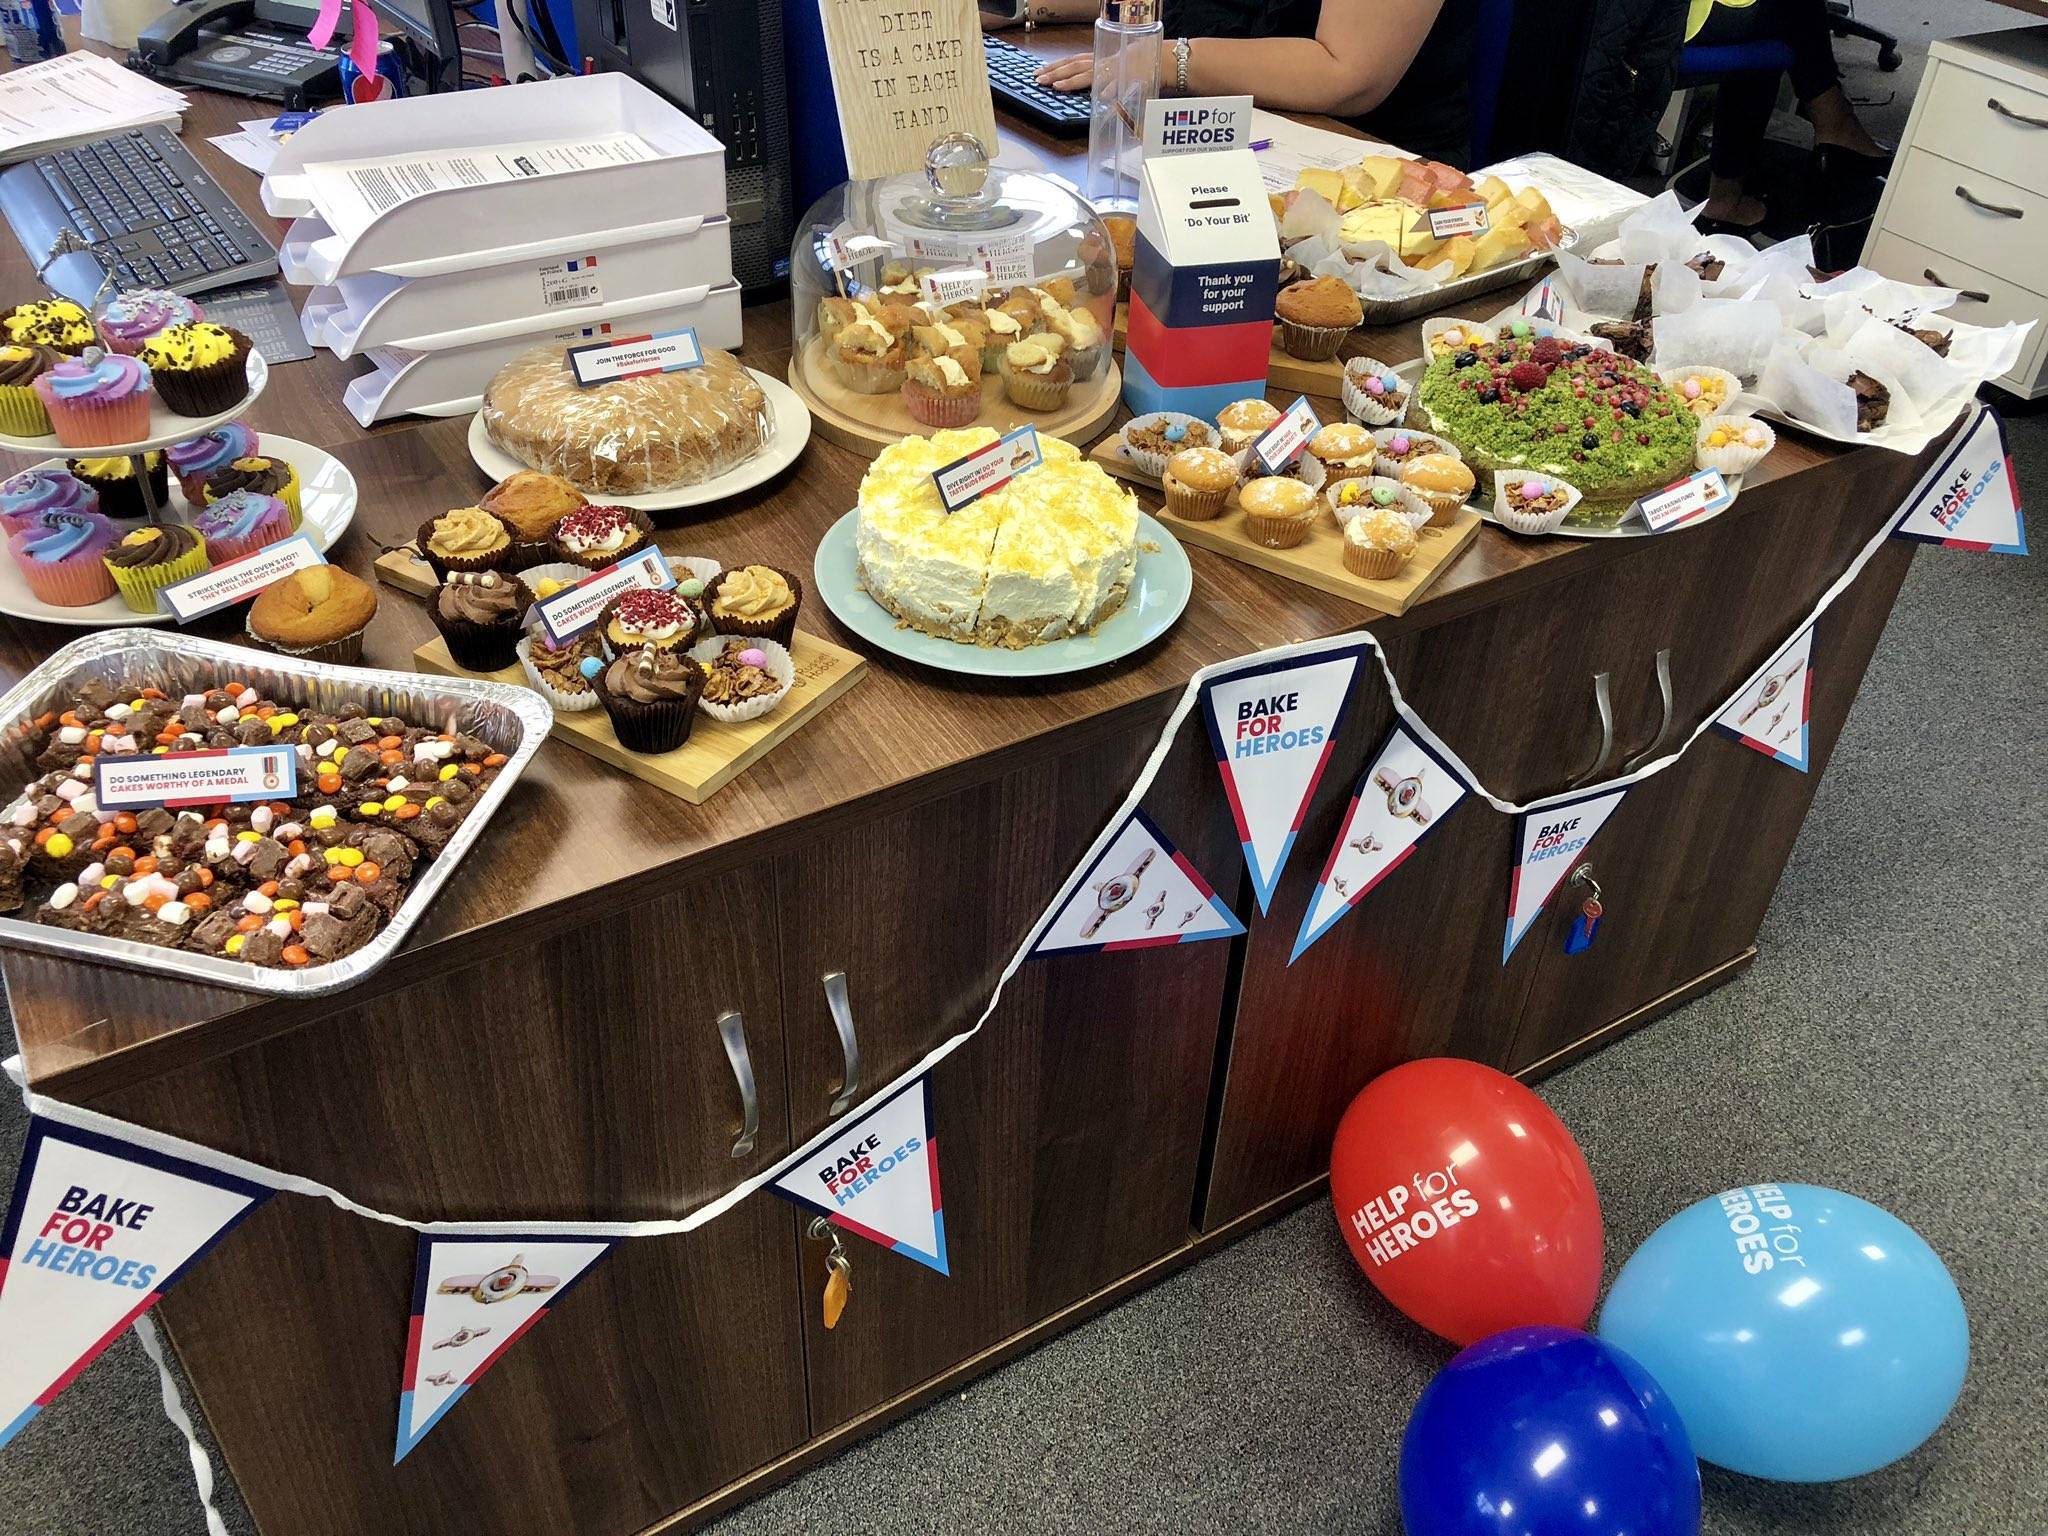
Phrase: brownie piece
[1630,338]
[1709,266]
[1935,341]
[1873,401]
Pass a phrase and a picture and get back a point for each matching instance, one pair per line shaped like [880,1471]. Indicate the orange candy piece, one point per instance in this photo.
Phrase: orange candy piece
[124,821]
[248,922]
[154,902]
[495,760]
[366,872]
[339,874]
[199,901]
[296,954]
[146,865]
[267,888]
[330,783]
[405,812]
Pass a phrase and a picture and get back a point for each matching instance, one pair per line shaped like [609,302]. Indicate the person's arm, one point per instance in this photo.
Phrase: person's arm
[1044,13]
[1360,51]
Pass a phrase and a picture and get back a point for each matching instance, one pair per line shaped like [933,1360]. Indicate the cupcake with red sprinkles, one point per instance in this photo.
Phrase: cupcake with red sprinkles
[597,536]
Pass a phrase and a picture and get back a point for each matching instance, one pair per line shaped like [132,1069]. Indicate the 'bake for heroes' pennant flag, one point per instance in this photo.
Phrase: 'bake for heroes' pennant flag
[97,1231]
[1971,499]
[1272,728]
[1139,892]
[472,1296]
[878,1177]
[1771,713]
[1548,843]
[1405,793]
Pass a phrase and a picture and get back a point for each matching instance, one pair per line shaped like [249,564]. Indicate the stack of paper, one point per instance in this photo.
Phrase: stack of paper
[74,98]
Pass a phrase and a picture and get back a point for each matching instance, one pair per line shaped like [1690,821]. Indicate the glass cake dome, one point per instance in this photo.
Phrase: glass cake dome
[961,232]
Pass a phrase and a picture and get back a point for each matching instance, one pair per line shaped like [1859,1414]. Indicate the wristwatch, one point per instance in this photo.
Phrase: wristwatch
[1116,893]
[1404,795]
[1180,66]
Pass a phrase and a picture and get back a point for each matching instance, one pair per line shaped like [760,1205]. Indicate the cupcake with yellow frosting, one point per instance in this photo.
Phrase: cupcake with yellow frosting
[200,368]
[756,600]
[464,539]
[21,408]
[944,390]
[114,480]
[1034,373]
[57,324]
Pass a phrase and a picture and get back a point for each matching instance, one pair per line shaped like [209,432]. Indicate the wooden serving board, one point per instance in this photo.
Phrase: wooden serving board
[404,569]
[1318,560]
[715,753]
[869,423]
[1325,379]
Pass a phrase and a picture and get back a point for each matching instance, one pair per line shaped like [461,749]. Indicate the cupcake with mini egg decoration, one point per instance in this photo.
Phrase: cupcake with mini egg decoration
[57,324]
[1529,503]
[120,493]
[1395,446]
[200,368]
[1150,440]
[562,674]
[241,523]
[478,614]
[1349,498]
[127,320]
[214,449]
[744,679]
[1035,375]
[1373,393]
[97,399]
[21,408]
[149,558]
[1733,444]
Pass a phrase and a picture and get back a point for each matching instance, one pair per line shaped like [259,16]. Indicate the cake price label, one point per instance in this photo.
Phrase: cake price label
[238,579]
[1446,223]
[574,609]
[195,778]
[987,469]
[635,357]
[1281,443]
[955,286]
[1685,501]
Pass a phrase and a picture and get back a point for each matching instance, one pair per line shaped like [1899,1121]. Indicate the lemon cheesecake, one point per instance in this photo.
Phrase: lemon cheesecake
[1046,555]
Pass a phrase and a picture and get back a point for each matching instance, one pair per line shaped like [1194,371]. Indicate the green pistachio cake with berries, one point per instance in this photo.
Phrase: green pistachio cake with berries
[1593,419]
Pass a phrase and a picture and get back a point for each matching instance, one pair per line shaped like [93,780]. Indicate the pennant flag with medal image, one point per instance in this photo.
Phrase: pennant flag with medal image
[1971,499]
[1140,892]
[1547,845]
[1771,714]
[97,1231]
[1405,793]
[1272,729]
[472,1297]
[878,1177]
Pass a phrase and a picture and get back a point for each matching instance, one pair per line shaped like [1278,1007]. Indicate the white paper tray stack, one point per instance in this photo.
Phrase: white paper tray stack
[443,235]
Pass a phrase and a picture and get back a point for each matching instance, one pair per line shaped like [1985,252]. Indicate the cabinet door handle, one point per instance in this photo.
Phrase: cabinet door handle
[1975,295]
[732,1029]
[1664,725]
[1981,206]
[1603,702]
[849,1043]
[2019,117]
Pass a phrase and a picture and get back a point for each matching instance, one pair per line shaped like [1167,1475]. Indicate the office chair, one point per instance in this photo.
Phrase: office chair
[1843,22]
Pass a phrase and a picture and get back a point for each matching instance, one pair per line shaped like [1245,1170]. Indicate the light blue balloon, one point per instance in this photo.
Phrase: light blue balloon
[1803,1334]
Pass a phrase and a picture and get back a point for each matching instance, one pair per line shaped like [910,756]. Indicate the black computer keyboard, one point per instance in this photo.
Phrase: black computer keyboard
[149,216]
[1012,81]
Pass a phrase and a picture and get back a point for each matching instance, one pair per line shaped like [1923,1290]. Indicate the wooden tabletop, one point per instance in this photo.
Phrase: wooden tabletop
[577,839]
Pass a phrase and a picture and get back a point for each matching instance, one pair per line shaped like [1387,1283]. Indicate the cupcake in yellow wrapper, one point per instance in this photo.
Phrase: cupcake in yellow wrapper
[259,473]
[150,558]
[21,408]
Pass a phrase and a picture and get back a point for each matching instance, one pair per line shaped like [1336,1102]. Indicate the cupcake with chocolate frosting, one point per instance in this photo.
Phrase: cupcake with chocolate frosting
[651,696]
[21,408]
[256,472]
[478,614]
[148,558]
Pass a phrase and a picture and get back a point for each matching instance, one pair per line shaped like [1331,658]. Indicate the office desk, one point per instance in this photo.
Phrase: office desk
[545,1045]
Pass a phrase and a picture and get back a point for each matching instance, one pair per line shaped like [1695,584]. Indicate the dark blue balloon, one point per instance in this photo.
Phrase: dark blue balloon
[1547,1432]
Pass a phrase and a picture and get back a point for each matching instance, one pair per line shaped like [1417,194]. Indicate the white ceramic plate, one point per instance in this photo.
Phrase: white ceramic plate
[164,428]
[1160,589]
[327,505]
[792,430]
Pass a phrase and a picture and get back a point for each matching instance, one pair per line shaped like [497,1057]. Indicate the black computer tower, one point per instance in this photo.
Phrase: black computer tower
[721,61]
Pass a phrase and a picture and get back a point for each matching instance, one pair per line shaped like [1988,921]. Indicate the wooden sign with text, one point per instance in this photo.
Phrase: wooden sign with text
[906,72]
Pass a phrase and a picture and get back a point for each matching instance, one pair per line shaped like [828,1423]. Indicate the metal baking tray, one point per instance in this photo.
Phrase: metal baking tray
[1433,301]
[514,720]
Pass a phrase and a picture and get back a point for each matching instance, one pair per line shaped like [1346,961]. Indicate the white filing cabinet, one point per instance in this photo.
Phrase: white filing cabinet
[1966,205]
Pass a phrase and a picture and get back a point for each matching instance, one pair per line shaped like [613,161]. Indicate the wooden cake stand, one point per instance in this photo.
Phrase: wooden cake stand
[869,423]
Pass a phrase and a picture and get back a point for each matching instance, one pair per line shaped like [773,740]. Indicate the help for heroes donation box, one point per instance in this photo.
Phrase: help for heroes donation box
[1200,330]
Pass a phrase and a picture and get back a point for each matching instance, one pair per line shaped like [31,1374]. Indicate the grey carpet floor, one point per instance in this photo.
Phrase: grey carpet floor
[1891,1040]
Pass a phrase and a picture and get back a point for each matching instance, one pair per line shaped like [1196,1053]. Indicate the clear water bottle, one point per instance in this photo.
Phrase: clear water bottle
[1127,38]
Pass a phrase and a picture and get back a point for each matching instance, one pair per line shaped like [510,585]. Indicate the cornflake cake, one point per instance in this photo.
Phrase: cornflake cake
[1047,555]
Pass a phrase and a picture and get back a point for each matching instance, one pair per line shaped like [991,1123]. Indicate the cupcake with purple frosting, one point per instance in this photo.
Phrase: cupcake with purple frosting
[97,400]
[62,558]
[197,457]
[241,523]
[129,319]
[25,497]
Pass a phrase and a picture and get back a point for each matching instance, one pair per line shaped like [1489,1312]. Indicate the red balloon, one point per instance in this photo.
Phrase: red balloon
[1466,1201]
